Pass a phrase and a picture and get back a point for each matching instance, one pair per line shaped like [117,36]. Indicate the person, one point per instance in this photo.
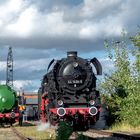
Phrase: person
[20,117]
[21,112]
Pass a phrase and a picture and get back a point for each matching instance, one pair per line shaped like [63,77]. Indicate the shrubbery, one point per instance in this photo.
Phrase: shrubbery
[122,88]
[64,131]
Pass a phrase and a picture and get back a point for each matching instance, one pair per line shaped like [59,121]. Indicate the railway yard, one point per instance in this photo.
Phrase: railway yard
[35,131]
[69,70]
[76,104]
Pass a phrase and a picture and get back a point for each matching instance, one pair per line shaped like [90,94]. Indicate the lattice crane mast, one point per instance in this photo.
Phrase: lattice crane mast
[9,73]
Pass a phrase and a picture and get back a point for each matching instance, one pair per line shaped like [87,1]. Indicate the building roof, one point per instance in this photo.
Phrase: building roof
[30,98]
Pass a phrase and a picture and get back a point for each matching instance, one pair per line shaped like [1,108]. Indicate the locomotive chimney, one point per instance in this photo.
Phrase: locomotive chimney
[72,54]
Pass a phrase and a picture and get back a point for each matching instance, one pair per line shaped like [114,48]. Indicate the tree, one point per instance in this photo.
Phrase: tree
[123,84]
[120,79]
[136,42]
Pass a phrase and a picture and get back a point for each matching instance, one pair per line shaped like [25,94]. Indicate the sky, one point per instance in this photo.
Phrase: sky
[42,30]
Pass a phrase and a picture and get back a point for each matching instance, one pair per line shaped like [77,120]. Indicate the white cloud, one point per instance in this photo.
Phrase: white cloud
[24,25]
[21,84]
[96,19]
[24,85]
[32,64]
[10,12]
[54,24]
[103,29]
[9,8]
[93,8]
[2,65]
[29,21]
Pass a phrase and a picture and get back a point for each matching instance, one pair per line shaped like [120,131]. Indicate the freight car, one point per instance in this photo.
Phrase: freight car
[8,105]
[68,91]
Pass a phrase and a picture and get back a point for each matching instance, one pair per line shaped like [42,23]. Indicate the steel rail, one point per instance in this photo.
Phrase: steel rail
[21,136]
[95,134]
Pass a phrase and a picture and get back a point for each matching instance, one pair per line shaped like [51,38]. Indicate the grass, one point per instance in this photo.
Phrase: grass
[33,132]
[125,127]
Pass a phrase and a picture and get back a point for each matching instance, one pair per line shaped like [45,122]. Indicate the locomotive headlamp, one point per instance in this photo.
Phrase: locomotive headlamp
[60,102]
[61,111]
[75,64]
[93,111]
[91,102]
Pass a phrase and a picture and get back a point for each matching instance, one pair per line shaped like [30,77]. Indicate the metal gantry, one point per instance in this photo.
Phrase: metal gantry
[9,73]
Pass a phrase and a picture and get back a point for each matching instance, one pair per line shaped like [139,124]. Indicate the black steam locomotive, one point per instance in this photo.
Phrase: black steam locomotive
[68,91]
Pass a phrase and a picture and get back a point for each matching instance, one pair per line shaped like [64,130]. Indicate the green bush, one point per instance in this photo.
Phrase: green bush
[64,131]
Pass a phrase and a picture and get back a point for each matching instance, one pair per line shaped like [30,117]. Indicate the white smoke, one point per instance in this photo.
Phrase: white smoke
[43,126]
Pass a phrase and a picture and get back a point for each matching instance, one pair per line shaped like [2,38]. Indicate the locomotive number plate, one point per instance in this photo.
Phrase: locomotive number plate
[75,81]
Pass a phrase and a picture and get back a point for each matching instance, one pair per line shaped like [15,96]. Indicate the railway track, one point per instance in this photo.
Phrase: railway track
[21,137]
[103,135]
[10,133]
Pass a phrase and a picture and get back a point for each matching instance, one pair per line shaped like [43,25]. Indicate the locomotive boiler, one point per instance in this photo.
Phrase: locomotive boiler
[68,91]
[8,105]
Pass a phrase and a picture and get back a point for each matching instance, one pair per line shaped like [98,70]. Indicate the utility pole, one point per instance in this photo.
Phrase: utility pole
[9,73]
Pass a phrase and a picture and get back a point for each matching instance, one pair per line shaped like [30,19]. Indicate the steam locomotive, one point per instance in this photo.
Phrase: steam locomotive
[68,91]
[9,113]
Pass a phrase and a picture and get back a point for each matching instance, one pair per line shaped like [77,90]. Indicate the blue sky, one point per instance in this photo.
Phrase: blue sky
[42,30]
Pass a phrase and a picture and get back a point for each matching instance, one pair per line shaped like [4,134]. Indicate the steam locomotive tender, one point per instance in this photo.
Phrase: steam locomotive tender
[68,91]
[9,113]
